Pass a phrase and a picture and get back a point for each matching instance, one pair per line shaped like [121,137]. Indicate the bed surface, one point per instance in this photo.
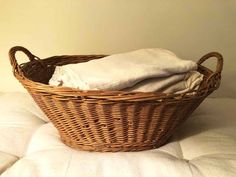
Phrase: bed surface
[204,146]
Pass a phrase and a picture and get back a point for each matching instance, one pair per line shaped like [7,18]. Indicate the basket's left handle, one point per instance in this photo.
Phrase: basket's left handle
[12,57]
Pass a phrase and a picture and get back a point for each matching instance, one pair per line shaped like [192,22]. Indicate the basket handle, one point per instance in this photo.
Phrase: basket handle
[13,60]
[218,56]
[214,79]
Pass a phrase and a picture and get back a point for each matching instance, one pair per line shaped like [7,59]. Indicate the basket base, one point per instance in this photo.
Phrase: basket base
[115,147]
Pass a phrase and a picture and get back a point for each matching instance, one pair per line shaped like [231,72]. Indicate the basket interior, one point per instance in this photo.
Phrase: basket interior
[42,71]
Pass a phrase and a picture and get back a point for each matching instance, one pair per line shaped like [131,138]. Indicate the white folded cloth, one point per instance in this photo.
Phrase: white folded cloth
[178,83]
[145,70]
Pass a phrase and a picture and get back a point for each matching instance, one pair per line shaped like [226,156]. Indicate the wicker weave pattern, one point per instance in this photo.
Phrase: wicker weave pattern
[109,120]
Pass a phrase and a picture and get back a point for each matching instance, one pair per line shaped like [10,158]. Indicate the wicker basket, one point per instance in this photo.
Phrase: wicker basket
[109,120]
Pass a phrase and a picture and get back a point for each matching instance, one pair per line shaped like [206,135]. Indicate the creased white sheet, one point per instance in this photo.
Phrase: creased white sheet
[143,70]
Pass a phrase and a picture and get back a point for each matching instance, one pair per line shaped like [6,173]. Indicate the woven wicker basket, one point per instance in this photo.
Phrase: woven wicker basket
[109,120]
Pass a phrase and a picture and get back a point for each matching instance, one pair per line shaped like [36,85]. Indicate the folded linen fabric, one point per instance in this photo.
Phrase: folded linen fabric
[141,70]
[178,83]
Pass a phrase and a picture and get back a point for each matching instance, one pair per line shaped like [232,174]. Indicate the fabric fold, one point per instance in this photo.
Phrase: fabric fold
[144,70]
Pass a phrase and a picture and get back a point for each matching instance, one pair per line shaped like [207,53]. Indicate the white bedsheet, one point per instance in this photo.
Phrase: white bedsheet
[6,160]
[204,146]
[19,118]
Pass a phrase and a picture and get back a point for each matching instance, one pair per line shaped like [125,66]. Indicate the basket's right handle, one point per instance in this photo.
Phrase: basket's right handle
[12,57]
[214,79]
[219,65]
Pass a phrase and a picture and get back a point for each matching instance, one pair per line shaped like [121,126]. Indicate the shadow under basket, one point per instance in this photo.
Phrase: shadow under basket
[110,120]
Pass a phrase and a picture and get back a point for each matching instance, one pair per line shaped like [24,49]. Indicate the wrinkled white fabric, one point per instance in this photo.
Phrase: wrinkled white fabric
[6,160]
[151,69]
[204,146]
[17,101]
[19,118]
[178,83]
